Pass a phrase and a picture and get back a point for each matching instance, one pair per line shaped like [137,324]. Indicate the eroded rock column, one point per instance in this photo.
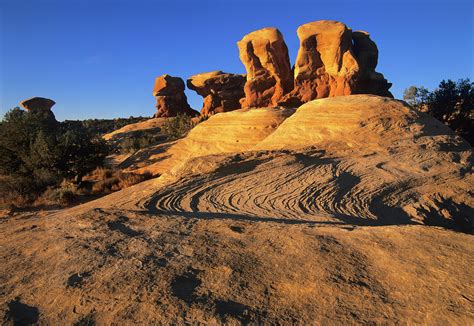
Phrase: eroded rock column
[221,91]
[269,75]
[170,97]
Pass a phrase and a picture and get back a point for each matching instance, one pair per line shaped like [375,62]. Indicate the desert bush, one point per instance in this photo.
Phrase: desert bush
[129,179]
[138,140]
[14,191]
[61,196]
[105,186]
[38,152]
[102,126]
[100,173]
[178,126]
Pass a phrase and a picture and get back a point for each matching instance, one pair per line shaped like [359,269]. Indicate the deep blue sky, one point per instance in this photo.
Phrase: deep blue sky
[99,58]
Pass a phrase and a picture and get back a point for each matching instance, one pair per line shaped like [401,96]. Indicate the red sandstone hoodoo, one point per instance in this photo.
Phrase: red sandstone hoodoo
[332,61]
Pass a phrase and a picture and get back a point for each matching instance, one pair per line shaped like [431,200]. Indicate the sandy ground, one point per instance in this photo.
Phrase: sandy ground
[349,210]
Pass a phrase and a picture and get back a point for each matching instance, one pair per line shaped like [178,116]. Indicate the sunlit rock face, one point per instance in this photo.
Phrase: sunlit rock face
[221,91]
[332,61]
[170,97]
[269,76]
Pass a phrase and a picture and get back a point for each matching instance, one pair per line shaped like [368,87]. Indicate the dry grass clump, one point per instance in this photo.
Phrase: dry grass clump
[109,181]
[15,193]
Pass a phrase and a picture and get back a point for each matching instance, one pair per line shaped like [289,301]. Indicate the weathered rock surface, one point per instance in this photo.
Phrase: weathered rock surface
[330,64]
[367,53]
[221,91]
[323,216]
[37,103]
[269,76]
[170,97]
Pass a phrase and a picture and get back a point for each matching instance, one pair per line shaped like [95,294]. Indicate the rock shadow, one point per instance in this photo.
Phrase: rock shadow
[22,314]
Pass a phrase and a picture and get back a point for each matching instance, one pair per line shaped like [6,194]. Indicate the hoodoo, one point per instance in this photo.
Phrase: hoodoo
[170,97]
[332,61]
[221,91]
[269,77]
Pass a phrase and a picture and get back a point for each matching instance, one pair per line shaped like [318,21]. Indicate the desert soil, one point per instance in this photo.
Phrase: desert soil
[348,210]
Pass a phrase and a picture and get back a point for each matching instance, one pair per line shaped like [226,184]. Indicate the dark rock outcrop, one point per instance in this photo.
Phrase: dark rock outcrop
[170,97]
[221,91]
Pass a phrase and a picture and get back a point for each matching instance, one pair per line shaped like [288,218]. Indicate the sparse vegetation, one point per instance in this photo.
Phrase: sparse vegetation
[140,139]
[451,103]
[37,152]
[108,180]
[102,126]
[178,126]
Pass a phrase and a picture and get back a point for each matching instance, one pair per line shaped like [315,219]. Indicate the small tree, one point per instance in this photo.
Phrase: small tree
[416,97]
[451,103]
[37,151]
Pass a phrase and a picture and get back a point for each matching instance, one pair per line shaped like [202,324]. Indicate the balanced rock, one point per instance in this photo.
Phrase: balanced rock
[269,75]
[170,97]
[329,63]
[221,91]
[37,104]
[40,106]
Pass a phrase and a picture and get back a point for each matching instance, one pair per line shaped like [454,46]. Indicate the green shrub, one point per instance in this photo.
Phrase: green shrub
[451,103]
[37,152]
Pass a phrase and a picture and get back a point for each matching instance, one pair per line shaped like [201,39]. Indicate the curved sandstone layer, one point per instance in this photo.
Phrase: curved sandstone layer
[227,132]
[269,76]
[358,159]
[128,130]
[287,222]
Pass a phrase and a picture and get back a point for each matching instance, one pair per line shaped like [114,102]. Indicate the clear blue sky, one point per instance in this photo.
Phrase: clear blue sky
[99,58]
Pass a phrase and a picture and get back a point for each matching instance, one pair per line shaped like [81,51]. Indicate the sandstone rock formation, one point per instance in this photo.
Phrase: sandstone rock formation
[170,97]
[331,61]
[41,106]
[330,64]
[367,53]
[324,214]
[37,103]
[269,76]
[221,91]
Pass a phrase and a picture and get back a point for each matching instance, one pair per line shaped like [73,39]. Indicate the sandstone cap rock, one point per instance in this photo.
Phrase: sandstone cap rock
[37,103]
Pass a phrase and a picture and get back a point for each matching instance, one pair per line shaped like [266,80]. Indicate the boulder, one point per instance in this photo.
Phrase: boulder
[269,75]
[221,91]
[170,97]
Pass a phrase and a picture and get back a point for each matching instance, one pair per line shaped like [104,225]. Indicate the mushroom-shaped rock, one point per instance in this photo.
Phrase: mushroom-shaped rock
[269,75]
[170,97]
[40,106]
[367,53]
[221,91]
[37,103]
